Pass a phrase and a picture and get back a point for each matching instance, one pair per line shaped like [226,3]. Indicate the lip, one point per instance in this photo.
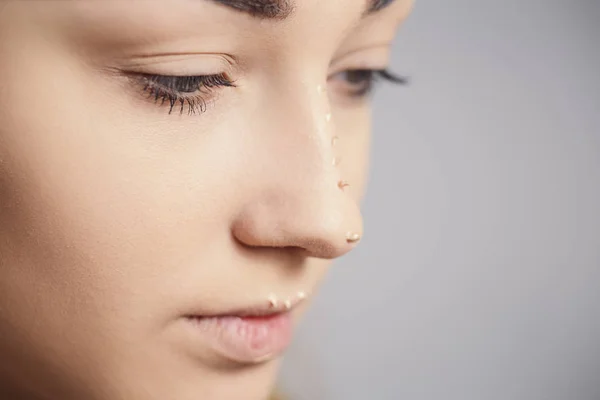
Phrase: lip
[264,309]
[247,335]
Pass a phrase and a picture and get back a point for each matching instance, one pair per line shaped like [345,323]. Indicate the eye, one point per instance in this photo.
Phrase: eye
[361,82]
[181,92]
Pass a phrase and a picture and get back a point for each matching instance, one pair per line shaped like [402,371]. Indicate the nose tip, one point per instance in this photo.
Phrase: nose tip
[329,234]
[324,225]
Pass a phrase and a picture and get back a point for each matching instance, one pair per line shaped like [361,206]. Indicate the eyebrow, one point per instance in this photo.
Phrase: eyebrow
[262,9]
[282,9]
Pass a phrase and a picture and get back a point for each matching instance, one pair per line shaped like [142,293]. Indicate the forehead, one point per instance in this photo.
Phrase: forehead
[182,25]
[275,12]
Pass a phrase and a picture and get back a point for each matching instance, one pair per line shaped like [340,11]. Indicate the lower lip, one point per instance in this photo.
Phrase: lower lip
[246,339]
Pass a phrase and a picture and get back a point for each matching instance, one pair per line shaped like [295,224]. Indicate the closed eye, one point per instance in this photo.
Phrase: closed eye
[358,83]
[180,92]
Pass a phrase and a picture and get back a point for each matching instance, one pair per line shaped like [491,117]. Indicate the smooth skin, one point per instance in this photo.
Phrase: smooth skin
[117,218]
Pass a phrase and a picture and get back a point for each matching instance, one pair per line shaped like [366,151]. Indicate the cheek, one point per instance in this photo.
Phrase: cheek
[102,212]
[99,213]
[99,224]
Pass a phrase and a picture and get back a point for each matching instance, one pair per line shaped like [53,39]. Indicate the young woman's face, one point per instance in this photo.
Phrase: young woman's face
[163,162]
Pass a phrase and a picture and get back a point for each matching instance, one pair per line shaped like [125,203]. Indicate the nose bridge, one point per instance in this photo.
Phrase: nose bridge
[300,201]
[304,125]
[295,135]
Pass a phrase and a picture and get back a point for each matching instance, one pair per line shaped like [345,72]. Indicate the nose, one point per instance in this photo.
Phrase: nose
[298,198]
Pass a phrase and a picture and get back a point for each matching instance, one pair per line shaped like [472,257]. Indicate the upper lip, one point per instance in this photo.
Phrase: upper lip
[263,309]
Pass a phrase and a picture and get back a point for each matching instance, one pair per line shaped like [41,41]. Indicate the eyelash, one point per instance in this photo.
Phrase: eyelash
[368,78]
[194,90]
[183,90]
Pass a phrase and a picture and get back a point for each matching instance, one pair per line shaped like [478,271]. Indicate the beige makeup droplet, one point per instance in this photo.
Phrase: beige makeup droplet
[352,237]
[272,300]
[328,117]
[343,184]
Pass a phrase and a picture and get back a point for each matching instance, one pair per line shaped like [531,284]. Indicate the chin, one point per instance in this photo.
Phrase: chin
[194,382]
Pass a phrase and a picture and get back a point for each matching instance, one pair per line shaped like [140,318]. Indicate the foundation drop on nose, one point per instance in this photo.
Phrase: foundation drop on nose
[352,237]
[343,184]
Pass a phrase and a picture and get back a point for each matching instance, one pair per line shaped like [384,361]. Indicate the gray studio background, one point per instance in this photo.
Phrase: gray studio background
[479,276]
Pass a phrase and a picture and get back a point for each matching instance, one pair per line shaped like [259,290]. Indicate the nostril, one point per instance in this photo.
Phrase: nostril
[320,248]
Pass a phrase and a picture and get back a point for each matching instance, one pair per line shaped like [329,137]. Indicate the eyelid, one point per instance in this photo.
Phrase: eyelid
[180,64]
[374,57]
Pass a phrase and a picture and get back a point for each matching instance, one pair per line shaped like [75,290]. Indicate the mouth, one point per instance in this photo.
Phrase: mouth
[252,334]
